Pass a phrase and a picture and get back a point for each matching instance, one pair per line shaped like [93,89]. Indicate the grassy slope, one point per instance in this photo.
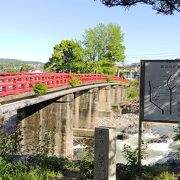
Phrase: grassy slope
[10,61]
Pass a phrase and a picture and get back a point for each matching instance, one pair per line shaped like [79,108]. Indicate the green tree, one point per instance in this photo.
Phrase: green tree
[103,47]
[67,57]
[165,7]
[26,67]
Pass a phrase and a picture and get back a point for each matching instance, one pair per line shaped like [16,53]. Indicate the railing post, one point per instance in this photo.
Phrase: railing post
[5,89]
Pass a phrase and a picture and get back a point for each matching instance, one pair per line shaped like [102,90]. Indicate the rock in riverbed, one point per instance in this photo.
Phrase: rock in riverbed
[162,139]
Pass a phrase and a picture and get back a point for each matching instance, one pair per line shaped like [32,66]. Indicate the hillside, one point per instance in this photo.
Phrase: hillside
[17,61]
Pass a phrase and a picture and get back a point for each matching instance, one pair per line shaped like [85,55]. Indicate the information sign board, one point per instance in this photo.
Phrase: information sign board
[160,90]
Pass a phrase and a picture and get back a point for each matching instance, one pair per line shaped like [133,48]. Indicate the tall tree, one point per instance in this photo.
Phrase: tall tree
[103,47]
[167,7]
[67,57]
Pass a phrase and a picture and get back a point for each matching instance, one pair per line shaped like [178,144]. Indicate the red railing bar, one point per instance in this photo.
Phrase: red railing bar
[15,83]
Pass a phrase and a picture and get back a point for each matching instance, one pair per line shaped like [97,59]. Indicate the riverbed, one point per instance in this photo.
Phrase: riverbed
[157,136]
[158,139]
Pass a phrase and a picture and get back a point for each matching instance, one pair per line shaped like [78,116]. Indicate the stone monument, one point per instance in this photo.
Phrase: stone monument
[105,150]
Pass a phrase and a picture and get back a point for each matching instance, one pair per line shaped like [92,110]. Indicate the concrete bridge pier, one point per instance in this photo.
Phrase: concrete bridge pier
[104,104]
[64,127]
[113,93]
[124,93]
[116,93]
[53,117]
[85,112]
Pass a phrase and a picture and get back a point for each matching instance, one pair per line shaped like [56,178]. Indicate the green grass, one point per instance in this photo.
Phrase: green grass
[20,171]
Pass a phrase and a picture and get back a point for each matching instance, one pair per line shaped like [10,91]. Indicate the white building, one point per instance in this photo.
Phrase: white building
[131,72]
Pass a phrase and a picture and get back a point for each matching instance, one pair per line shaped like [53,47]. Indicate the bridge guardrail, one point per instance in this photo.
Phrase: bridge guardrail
[16,83]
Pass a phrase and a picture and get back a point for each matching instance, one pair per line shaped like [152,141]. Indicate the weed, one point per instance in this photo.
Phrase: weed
[109,79]
[40,88]
[74,82]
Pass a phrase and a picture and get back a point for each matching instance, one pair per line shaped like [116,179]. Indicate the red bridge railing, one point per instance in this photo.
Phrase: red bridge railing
[16,83]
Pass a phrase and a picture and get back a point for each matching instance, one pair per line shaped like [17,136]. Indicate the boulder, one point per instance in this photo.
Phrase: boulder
[122,136]
[131,129]
[162,139]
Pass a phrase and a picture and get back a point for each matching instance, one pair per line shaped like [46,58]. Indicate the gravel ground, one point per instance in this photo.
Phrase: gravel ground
[119,121]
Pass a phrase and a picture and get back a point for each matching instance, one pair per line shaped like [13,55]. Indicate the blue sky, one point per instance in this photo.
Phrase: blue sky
[30,29]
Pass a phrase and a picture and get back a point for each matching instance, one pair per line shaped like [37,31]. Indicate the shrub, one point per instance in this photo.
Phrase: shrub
[131,155]
[133,90]
[40,88]
[87,163]
[18,171]
[166,176]
[133,93]
[10,144]
[130,170]
[109,79]
[42,146]
[74,82]
[134,83]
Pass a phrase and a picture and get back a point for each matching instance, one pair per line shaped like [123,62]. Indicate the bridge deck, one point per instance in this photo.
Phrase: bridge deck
[38,99]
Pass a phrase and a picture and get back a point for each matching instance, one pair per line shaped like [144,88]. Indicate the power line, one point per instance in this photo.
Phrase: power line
[154,55]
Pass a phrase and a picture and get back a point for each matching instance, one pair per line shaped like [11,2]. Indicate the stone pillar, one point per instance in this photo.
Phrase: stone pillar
[105,149]
[119,94]
[76,109]
[64,127]
[113,91]
[94,109]
[124,93]
[84,109]
[104,105]
[116,98]
[85,112]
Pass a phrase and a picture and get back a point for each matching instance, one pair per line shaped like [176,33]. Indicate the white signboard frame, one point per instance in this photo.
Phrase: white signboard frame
[160,91]
[159,94]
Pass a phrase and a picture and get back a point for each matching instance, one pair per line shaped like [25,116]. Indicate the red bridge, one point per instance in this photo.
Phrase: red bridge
[16,83]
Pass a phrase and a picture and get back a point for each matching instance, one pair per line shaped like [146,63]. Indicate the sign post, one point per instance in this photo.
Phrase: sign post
[159,93]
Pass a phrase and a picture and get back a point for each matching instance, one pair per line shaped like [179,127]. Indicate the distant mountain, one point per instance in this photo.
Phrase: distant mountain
[10,61]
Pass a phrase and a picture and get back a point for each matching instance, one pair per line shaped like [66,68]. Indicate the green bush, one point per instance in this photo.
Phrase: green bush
[43,143]
[19,171]
[109,79]
[74,82]
[166,176]
[130,170]
[133,93]
[134,83]
[87,163]
[133,90]
[10,144]
[131,155]
[40,88]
